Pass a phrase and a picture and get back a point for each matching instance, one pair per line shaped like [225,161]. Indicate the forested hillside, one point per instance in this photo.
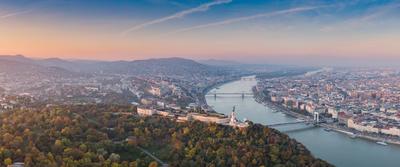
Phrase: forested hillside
[94,135]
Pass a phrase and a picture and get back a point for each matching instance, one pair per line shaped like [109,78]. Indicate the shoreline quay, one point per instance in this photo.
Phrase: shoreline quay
[325,125]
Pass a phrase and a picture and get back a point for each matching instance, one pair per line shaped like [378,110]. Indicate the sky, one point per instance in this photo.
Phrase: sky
[270,31]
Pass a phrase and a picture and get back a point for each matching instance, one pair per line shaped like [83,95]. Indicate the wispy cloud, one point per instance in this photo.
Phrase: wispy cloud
[201,8]
[13,14]
[246,18]
[362,20]
[377,13]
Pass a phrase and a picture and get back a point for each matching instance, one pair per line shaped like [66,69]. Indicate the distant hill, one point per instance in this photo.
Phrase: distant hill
[215,62]
[9,66]
[243,67]
[22,65]
[163,66]
[50,62]
[16,58]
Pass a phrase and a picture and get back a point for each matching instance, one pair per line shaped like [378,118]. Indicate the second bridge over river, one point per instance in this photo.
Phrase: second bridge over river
[231,94]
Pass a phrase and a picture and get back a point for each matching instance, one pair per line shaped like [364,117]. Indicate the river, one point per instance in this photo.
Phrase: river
[336,148]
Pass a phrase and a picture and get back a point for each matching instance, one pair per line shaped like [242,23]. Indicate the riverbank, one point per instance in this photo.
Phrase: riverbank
[350,132]
[333,127]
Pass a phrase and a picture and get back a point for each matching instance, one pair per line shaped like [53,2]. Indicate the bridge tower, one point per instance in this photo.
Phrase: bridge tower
[242,95]
[316,117]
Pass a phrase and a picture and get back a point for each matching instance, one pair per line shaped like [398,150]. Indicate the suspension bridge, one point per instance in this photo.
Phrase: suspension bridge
[316,120]
[289,123]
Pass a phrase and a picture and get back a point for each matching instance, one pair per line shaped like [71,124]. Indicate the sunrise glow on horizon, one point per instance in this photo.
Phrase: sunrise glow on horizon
[271,31]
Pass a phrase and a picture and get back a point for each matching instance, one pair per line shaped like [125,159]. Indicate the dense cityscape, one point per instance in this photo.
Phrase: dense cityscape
[364,100]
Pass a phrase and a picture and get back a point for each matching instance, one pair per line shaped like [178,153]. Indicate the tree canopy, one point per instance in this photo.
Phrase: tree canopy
[100,135]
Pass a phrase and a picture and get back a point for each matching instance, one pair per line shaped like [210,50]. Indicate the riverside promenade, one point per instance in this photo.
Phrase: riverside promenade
[332,126]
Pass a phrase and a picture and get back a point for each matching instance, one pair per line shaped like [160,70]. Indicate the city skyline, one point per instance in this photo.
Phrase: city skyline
[313,32]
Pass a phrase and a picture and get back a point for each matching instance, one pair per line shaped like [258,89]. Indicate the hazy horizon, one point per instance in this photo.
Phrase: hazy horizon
[213,61]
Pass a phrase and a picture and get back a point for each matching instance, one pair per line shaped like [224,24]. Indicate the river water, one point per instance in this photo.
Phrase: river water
[336,148]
